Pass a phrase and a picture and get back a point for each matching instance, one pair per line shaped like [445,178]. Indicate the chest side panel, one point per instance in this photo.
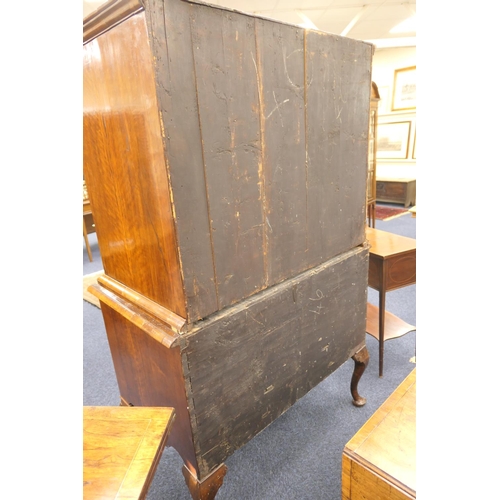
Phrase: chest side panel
[124,165]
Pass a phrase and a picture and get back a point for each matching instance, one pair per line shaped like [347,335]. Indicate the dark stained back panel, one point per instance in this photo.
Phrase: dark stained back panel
[264,136]
[282,118]
[248,364]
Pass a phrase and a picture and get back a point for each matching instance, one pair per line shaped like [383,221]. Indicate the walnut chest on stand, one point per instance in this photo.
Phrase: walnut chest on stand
[226,158]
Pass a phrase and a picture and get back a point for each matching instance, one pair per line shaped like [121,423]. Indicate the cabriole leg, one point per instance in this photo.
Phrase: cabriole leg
[361,359]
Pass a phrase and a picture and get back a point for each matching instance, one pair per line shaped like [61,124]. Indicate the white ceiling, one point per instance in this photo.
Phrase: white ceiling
[369,20]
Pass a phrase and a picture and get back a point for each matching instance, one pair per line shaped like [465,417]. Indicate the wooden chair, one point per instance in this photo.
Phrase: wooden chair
[88,220]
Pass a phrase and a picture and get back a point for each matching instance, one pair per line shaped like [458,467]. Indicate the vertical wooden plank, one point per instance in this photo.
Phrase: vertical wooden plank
[337,113]
[346,477]
[356,90]
[280,60]
[170,40]
[226,82]
[323,124]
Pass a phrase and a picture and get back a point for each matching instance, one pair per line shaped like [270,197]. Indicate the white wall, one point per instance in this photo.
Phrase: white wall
[385,62]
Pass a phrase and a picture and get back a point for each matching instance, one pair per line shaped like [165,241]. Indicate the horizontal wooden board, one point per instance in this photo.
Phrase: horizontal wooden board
[249,364]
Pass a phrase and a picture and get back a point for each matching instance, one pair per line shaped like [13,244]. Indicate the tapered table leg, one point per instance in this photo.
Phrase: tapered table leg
[361,359]
[381,331]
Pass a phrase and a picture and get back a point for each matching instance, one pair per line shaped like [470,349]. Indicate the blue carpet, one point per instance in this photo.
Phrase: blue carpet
[299,455]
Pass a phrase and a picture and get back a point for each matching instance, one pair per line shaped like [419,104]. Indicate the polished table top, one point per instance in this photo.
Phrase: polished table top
[384,244]
[122,446]
[386,444]
[392,265]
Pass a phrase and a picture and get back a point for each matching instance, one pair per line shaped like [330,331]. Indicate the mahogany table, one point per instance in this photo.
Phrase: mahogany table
[122,446]
[392,265]
[379,462]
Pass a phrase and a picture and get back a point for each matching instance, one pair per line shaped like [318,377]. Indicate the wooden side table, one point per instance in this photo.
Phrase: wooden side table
[392,265]
[379,462]
[122,446]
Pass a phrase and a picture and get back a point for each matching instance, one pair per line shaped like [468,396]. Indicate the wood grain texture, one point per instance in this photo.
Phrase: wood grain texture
[279,63]
[228,104]
[107,16]
[171,46]
[173,322]
[124,166]
[379,462]
[271,185]
[251,362]
[149,324]
[385,244]
[394,327]
[338,88]
[150,374]
[372,156]
[207,488]
[228,187]
[121,450]
[393,260]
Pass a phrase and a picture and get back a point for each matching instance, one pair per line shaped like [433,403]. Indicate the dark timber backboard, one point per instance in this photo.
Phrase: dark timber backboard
[248,364]
[266,133]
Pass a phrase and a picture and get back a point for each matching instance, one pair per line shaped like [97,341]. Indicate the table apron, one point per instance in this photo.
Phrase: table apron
[396,272]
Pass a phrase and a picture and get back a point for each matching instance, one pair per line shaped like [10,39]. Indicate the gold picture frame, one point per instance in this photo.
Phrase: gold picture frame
[404,94]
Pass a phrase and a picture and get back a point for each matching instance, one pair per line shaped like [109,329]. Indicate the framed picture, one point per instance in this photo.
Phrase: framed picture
[393,140]
[404,95]
[414,154]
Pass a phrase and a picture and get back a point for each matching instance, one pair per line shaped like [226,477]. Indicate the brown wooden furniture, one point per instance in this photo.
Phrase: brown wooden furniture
[397,191]
[226,159]
[88,225]
[379,462]
[393,265]
[121,450]
[88,220]
[371,186]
